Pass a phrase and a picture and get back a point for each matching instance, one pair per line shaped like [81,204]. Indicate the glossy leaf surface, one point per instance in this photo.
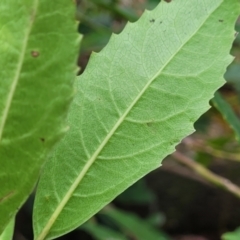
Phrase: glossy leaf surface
[37,69]
[135,101]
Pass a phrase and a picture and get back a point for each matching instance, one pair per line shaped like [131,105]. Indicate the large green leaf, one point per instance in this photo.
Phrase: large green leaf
[135,101]
[227,112]
[38,41]
[8,231]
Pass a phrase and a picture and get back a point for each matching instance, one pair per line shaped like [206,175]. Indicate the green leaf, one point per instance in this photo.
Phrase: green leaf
[100,232]
[227,112]
[134,226]
[135,101]
[233,75]
[8,231]
[138,193]
[235,235]
[38,66]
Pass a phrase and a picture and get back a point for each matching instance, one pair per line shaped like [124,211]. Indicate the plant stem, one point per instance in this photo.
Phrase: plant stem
[207,174]
[222,154]
[198,146]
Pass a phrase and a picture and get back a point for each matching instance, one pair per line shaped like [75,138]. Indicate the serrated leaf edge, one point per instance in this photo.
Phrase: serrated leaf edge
[87,166]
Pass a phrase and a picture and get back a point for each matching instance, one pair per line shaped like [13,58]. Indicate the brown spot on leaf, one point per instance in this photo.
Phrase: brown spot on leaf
[47,198]
[6,197]
[151,127]
[150,124]
[42,139]
[35,54]
[220,20]
[152,20]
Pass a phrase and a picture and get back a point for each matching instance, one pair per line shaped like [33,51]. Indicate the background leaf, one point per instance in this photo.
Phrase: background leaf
[227,112]
[37,71]
[134,226]
[101,232]
[136,100]
[235,235]
[136,194]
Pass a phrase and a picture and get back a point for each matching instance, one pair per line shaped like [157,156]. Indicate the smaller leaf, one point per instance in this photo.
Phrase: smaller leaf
[133,225]
[8,232]
[138,194]
[227,112]
[100,232]
[231,235]
[232,75]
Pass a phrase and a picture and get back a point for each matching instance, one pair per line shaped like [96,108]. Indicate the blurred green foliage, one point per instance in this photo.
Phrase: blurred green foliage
[232,235]
[121,225]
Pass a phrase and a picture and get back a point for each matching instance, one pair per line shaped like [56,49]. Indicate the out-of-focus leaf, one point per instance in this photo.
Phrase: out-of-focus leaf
[95,41]
[203,158]
[152,4]
[100,232]
[134,226]
[138,193]
[37,71]
[227,112]
[233,75]
[232,235]
[8,231]
[127,14]
[156,219]
[237,40]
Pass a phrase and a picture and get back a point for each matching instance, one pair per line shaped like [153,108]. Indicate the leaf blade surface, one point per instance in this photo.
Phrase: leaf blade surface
[8,231]
[34,91]
[136,100]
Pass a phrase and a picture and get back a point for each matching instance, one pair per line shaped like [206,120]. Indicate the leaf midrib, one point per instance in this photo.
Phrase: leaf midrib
[87,166]
[18,71]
